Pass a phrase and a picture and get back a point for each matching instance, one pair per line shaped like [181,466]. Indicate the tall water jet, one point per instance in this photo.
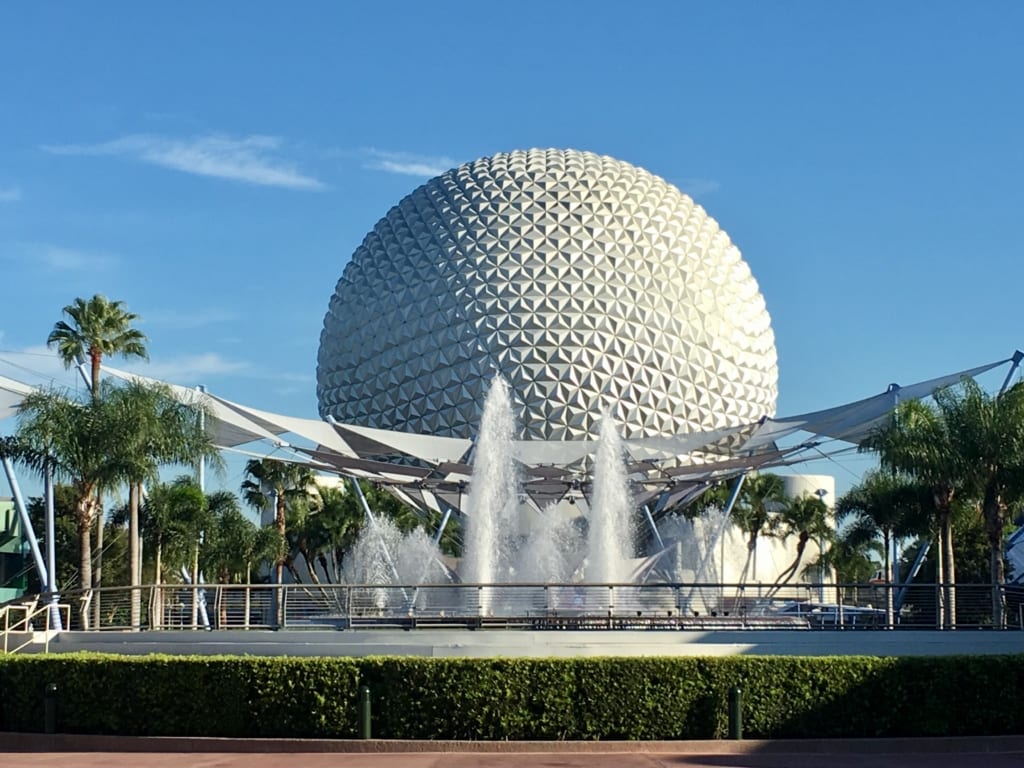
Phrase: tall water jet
[492,519]
[610,540]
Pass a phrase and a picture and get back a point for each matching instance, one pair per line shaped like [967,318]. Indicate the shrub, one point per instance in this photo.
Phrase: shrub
[505,698]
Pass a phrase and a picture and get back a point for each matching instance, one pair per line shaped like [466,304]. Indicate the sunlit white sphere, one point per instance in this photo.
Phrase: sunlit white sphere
[588,283]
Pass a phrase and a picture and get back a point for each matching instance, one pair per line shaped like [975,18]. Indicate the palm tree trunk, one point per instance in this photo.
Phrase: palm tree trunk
[949,568]
[940,577]
[83,515]
[992,509]
[752,546]
[310,564]
[97,573]
[248,592]
[158,598]
[792,568]
[134,569]
[887,543]
[195,585]
[95,358]
[279,520]
[292,570]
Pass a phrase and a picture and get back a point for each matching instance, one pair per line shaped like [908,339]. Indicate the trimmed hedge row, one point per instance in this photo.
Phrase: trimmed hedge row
[491,699]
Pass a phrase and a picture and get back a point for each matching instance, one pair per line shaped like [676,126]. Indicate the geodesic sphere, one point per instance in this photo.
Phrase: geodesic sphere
[588,283]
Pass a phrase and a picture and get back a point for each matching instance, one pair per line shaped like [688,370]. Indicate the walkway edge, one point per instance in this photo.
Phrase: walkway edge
[61,742]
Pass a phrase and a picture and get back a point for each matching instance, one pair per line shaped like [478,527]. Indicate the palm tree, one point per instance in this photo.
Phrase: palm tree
[989,437]
[918,441]
[163,519]
[156,430]
[97,327]
[124,434]
[338,523]
[234,546]
[756,514]
[77,442]
[966,442]
[286,482]
[808,518]
[883,505]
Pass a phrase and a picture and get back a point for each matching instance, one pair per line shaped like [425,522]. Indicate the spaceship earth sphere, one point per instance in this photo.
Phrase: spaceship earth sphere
[588,283]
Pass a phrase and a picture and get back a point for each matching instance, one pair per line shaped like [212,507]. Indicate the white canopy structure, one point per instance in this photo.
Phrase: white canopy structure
[432,472]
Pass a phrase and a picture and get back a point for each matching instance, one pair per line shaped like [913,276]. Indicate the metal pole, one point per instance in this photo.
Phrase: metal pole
[51,530]
[652,526]
[383,544]
[443,525]
[51,544]
[201,467]
[365,713]
[1017,357]
[733,497]
[26,525]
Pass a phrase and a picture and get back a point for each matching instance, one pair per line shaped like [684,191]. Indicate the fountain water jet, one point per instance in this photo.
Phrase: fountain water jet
[492,520]
[610,540]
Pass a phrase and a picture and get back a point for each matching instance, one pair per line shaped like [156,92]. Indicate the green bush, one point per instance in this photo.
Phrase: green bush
[491,699]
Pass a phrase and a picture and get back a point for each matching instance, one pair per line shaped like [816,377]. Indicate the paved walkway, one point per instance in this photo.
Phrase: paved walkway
[66,751]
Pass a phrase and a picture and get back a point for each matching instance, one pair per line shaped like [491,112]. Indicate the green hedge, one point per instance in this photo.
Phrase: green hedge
[490,699]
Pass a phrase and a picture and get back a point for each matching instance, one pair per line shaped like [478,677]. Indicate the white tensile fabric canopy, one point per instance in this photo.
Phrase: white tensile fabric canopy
[432,472]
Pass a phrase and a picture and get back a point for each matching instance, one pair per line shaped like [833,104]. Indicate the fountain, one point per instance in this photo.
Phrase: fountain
[509,542]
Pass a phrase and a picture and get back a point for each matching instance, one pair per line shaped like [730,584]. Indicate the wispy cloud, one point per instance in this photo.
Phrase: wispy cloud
[58,258]
[191,319]
[10,194]
[698,187]
[250,159]
[407,164]
[189,369]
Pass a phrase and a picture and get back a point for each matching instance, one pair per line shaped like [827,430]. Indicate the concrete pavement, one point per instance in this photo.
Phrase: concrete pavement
[72,751]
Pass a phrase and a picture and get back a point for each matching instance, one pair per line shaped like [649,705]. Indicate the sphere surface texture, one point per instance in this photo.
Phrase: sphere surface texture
[589,284]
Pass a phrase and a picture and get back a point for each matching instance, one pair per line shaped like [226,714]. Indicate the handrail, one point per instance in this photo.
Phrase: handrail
[653,604]
[30,611]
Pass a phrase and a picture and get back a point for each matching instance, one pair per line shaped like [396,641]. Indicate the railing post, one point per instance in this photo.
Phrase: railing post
[839,608]
[365,713]
[736,713]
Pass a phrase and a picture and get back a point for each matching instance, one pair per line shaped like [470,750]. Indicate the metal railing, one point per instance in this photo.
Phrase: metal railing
[23,621]
[546,606]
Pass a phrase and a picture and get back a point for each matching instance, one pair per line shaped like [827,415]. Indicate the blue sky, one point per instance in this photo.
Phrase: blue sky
[214,165]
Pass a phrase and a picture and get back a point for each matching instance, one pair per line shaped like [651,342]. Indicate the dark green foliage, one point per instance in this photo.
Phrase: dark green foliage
[171,695]
[494,699]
